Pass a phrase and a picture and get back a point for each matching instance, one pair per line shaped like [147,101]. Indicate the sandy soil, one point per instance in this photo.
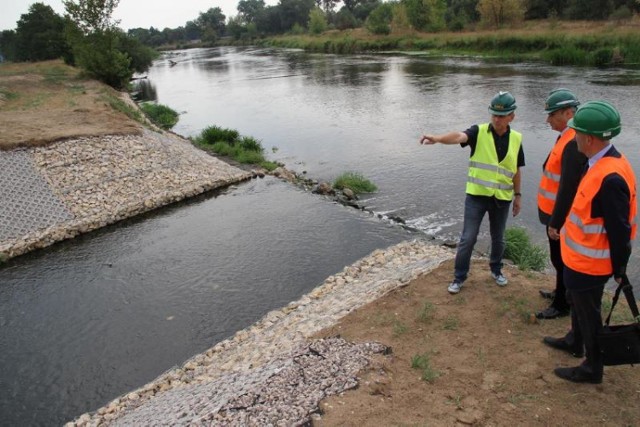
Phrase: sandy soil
[48,101]
[487,363]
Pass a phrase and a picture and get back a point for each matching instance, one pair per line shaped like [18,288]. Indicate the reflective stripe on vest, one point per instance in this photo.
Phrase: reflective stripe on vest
[550,180]
[487,176]
[583,239]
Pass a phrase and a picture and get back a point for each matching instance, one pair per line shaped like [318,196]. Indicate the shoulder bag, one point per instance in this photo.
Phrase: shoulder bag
[620,344]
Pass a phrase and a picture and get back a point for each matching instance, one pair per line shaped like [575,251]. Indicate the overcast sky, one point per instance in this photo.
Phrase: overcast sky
[132,13]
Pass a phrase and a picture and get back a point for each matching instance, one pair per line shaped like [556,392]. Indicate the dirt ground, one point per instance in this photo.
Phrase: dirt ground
[486,365]
[47,101]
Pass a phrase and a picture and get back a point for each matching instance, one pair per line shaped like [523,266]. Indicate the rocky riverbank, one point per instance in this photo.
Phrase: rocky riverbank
[55,192]
[272,373]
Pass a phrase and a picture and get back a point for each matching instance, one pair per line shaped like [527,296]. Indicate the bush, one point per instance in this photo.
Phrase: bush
[228,142]
[355,182]
[213,134]
[379,21]
[522,252]
[161,115]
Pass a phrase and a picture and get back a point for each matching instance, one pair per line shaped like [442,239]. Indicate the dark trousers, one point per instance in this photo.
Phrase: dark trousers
[475,208]
[586,322]
[560,300]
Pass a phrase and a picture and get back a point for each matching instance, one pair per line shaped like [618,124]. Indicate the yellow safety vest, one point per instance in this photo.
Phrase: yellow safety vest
[487,176]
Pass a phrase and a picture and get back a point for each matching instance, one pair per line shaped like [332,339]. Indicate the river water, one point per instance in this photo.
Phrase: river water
[326,114]
[87,320]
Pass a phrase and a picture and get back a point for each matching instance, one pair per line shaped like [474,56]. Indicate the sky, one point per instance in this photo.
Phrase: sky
[131,13]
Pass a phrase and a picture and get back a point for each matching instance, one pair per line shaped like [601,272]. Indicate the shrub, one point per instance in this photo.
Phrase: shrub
[522,252]
[213,134]
[161,115]
[228,142]
[317,21]
[379,21]
[423,363]
[355,182]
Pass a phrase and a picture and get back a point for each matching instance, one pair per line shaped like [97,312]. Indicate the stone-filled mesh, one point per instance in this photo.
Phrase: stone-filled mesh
[26,201]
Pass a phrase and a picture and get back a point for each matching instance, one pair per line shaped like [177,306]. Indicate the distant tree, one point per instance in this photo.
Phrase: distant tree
[92,16]
[459,13]
[270,22]
[8,45]
[345,19]
[141,56]
[589,9]
[249,11]
[329,5]
[362,10]
[40,35]
[542,9]
[99,46]
[379,21]
[294,12]
[400,20]
[497,13]
[317,21]
[212,24]
[426,15]
[192,31]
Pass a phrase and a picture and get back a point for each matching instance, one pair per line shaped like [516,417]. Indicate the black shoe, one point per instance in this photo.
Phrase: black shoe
[551,313]
[547,294]
[561,344]
[577,375]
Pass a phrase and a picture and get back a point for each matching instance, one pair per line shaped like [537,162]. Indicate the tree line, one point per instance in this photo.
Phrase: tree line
[87,36]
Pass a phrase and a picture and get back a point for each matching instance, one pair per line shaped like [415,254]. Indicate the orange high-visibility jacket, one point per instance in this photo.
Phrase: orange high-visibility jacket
[550,180]
[583,240]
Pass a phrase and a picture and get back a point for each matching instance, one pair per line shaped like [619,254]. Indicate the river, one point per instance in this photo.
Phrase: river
[87,320]
[326,114]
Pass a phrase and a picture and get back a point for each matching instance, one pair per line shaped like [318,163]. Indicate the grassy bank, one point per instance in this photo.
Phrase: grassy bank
[557,43]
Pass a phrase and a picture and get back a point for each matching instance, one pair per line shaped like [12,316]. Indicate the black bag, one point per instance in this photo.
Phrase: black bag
[620,344]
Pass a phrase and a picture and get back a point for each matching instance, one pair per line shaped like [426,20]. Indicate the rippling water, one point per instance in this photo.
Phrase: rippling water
[88,320]
[331,113]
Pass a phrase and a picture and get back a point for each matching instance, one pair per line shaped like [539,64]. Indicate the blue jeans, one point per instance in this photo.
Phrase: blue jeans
[475,208]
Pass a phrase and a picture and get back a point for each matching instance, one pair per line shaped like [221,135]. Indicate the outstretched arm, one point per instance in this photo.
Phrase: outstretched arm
[445,138]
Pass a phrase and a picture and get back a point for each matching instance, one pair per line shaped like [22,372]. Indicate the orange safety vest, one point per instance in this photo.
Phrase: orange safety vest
[550,180]
[583,240]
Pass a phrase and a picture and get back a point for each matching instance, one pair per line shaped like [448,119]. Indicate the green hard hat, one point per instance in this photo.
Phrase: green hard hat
[502,104]
[559,99]
[598,118]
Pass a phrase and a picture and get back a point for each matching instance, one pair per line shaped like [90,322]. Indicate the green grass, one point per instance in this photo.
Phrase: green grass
[121,106]
[399,328]
[522,252]
[552,42]
[229,142]
[9,96]
[427,312]
[518,305]
[160,115]
[423,363]
[451,323]
[355,182]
